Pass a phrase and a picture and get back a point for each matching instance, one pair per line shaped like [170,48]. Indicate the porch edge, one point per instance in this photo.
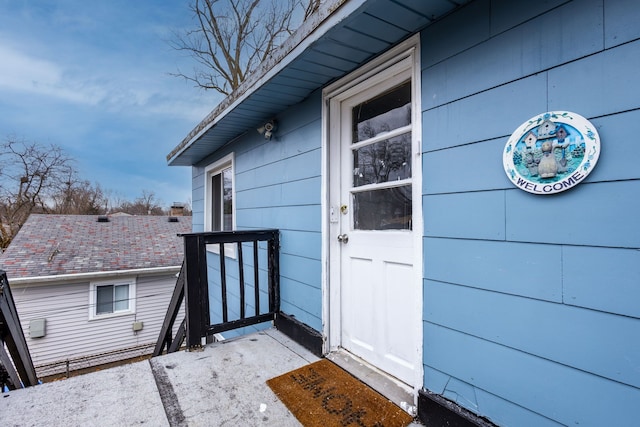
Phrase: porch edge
[435,410]
[303,334]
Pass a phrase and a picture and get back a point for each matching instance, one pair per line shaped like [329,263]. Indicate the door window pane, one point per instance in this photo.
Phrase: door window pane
[385,209]
[388,111]
[383,161]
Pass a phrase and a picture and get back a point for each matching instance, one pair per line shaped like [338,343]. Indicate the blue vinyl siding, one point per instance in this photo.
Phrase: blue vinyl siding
[507,14]
[530,302]
[530,310]
[442,127]
[197,198]
[567,335]
[621,22]
[522,269]
[544,387]
[605,215]
[438,164]
[621,160]
[277,185]
[608,82]
[477,215]
[612,275]
[532,47]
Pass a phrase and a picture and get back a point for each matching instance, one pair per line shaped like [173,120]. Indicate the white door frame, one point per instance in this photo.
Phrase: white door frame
[404,55]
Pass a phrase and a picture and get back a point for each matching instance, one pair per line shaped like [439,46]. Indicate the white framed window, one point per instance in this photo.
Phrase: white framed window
[219,201]
[219,209]
[112,298]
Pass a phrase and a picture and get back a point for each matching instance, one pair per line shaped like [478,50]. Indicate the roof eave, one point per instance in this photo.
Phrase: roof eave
[340,37]
[96,275]
[311,30]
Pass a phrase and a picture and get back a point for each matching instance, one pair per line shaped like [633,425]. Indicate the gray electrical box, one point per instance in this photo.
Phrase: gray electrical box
[37,328]
[137,326]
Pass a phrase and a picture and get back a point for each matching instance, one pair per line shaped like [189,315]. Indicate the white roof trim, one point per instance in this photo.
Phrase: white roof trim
[91,276]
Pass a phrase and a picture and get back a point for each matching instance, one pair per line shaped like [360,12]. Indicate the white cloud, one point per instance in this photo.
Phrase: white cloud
[23,73]
[114,89]
[92,78]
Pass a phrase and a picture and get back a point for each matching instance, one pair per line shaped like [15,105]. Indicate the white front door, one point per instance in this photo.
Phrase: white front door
[375,279]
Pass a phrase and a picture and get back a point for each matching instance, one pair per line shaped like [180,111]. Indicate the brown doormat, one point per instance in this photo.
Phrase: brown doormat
[322,394]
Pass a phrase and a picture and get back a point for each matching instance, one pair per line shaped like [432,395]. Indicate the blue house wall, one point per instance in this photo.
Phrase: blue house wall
[531,313]
[277,185]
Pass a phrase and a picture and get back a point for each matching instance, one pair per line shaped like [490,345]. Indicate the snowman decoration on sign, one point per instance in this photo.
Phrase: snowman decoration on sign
[549,166]
[551,152]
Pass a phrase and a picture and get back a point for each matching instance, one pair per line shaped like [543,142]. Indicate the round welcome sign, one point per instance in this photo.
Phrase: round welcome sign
[551,152]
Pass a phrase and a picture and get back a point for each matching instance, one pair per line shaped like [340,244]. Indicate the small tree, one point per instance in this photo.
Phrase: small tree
[233,37]
[79,197]
[30,176]
[146,204]
[149,203]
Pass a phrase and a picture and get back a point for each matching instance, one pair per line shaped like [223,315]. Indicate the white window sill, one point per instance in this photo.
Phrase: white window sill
[230,249]
[111,315]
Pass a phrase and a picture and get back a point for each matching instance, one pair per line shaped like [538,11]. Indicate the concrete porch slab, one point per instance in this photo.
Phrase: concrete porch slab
[121,396]
[224,384]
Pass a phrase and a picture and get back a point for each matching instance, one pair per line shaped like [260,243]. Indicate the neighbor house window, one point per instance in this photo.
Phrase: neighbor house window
[219,197]
[112,298]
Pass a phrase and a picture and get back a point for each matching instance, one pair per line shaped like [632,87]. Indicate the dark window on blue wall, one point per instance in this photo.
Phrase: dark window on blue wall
[222,200]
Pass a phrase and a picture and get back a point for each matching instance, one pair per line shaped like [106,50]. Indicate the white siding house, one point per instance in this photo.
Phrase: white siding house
[90,292]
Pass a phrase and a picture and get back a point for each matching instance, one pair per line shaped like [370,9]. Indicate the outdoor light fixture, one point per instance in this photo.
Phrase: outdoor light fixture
[268,129]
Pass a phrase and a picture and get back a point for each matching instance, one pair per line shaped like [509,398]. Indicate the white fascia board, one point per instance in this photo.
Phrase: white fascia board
[43,280]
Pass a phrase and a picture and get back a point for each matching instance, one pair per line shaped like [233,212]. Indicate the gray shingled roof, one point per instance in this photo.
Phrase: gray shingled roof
[68,244]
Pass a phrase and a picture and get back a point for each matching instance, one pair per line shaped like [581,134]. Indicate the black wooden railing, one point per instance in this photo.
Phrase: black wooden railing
[16,366]
[193,285]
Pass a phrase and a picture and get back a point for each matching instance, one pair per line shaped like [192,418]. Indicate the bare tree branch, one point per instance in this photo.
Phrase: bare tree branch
[233,37]
[146,204]
[30,176]
[37,178]
[79,197]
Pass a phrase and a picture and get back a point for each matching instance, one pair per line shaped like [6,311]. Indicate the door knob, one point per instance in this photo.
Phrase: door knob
[343,238]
